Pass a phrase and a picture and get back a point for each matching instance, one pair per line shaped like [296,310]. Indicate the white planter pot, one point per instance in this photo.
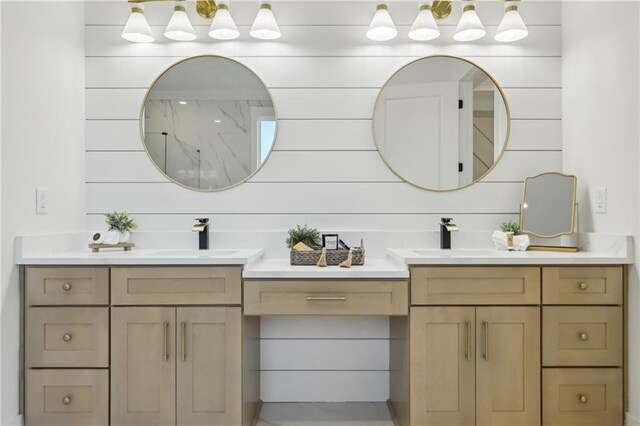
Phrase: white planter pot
[124,236]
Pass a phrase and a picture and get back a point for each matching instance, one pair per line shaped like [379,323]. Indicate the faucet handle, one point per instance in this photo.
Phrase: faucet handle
[203,220]
[446,219]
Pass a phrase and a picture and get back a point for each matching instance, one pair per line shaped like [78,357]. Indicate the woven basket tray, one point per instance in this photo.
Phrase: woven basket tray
[334,257]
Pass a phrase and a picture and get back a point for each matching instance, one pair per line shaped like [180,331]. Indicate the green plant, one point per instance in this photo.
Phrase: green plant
[304,234]
[119,221]
[510,227]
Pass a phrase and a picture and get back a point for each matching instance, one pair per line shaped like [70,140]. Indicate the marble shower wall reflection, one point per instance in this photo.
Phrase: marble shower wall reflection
[210,144]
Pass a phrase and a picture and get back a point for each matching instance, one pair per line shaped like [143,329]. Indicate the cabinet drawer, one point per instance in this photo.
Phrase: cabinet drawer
[582,396]
[67,286]
[582,336]
[176,286]
[582,285]
[475,286]
[326,298]
[67,397]
[67,337]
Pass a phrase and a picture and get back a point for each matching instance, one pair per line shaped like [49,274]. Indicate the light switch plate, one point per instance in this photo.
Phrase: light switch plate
[600,200]
[42,200]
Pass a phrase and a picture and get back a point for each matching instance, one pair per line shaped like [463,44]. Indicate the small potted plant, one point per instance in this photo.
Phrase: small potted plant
[509,226]
[121,223]
[304,234]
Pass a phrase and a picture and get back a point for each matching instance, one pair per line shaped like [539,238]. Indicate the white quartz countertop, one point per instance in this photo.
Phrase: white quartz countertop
[141,257]
[280,268]
[270,259]
[503,257]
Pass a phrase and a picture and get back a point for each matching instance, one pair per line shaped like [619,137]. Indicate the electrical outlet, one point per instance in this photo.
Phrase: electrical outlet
[42,200]
[600,200]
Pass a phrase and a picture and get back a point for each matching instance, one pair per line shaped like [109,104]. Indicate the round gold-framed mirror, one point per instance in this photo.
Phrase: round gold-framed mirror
[208,123]
[441,123]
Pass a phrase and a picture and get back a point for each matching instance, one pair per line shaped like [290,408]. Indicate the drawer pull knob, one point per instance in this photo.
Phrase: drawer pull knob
[584,336]
[583,286]
[583,399]
[66,286]
[66,400]
[66,337]
[326,298]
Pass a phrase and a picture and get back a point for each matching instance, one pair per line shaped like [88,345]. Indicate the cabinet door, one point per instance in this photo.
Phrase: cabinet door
[143,376]
[442,366]
[209,367]
[508,366]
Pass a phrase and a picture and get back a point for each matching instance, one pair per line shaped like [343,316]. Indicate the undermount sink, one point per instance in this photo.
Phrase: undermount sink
[454,252]
[196,253]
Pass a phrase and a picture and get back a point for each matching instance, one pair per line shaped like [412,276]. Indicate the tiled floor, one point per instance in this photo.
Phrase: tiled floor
[325,414]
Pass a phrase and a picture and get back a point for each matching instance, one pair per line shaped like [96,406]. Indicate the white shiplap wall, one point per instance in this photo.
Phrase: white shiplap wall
[324,75]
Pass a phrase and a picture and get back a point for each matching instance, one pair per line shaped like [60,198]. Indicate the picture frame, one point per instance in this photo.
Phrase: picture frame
[330,241]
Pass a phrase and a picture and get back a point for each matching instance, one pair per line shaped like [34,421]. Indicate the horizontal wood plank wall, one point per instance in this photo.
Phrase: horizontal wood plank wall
[324,75]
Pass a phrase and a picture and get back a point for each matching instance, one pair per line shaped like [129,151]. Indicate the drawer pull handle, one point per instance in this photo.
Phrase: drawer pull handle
[467,353]
[583,399]
[66,337]
[165,349]
[326,298]
[66,286]
[583,286]
[66,400]
[584,336]
[485,349]
[183,344]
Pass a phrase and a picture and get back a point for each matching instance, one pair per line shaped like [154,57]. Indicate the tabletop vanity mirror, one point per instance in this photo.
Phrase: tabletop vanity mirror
[549,208]
[441,123]
[208,123]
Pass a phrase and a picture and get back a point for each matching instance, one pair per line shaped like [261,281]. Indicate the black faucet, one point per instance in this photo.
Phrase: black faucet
[202,228]
[446,227]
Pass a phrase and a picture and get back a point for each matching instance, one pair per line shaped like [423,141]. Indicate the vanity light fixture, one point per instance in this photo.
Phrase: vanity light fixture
[137,29]
[223,27]
[469,27]
[265,26]
[424,27]
[180,28]
[512,27]
[382,27]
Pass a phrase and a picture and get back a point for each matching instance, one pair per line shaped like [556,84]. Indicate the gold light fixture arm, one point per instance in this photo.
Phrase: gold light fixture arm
[441,9]
[205,8]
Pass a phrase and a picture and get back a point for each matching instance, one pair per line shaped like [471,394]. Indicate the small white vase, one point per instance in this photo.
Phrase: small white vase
[124,236]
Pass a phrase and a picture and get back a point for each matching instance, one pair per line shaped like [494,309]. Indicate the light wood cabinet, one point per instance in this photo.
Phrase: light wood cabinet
[584,285]
[67,397]
[65,286]
[334,297]
[582,336]
[442,371]
[67,337]
[209,366]
[176,285]
[582,396]
[508,366]
[143,379]
[475,285]
[475,366]
[176,364]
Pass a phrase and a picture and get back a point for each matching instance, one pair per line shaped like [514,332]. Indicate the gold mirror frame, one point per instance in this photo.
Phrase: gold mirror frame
[504,99]
[141,120]
[573,211]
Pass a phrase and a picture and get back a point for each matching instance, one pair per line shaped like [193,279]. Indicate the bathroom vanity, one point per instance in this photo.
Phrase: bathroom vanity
[481,338]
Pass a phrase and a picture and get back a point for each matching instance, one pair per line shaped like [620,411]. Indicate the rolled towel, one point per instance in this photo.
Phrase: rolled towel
[521,242]
[499,239]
